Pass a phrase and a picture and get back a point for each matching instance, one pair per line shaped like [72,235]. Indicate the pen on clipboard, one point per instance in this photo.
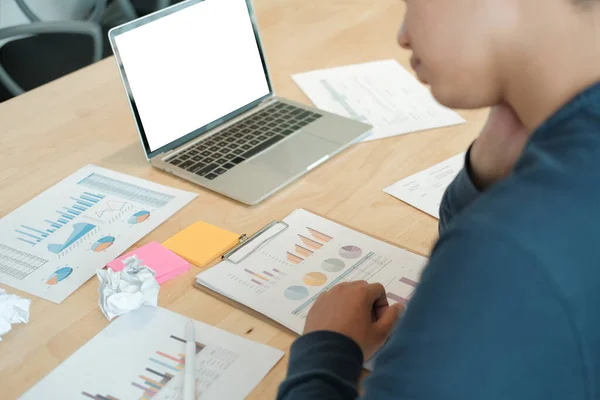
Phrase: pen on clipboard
[189,377]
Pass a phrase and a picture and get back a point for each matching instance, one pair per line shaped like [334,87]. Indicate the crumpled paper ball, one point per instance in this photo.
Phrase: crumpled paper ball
[127,290]
[13,310]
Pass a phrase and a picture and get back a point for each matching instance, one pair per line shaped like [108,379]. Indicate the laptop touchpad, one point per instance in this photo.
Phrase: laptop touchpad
[296,154]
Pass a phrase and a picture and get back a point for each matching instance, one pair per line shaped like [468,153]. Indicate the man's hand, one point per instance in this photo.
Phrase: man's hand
[358,310]
[498,147]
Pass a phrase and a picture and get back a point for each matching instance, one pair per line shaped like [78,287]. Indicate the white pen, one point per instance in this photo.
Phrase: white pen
[189,377]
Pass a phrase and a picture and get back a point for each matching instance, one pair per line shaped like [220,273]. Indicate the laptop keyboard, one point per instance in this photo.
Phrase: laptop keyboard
[213,157]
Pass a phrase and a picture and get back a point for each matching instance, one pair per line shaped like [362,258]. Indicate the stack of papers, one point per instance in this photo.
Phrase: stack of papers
[425,190]
[380,93]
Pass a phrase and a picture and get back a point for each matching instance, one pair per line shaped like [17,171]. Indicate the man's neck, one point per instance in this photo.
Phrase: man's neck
[550,71]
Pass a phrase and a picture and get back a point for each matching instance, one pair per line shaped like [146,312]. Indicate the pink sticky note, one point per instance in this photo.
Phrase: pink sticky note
[163,261]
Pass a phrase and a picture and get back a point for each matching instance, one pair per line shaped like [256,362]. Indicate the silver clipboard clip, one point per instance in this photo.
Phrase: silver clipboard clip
[248,245]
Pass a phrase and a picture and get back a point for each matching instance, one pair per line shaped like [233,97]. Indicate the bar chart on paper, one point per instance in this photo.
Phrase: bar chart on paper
[259,282]
[163,367]
[147,358]
[309,242]
[66,214]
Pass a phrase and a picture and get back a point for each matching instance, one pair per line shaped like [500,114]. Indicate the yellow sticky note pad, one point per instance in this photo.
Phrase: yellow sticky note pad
[201,243]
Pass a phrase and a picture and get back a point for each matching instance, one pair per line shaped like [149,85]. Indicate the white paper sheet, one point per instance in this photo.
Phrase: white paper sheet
[381,93]
[424,190]
[283,278]
[54,243]
[141,355]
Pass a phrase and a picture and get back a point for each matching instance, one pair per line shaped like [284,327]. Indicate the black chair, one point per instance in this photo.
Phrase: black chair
[43,51]
[54,50]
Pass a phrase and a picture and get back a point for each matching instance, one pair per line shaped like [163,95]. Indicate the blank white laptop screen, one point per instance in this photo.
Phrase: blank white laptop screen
[192,67]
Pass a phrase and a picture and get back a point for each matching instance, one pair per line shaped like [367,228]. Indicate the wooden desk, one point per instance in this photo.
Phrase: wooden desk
[47,134]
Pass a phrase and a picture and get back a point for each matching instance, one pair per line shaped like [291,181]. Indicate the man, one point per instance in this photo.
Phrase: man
[507,307]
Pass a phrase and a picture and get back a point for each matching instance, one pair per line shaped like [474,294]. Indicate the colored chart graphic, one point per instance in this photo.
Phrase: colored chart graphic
[296,293]
[79,230]
[310,243]
[256,278]
[162,368]
[264,277]
[273,274]
[351,252]
[409,282]
[294,259]
[405,298]
[315,279]
[103,243]
[139,217]
[59,275]
[319,235]
[308,246]
[333,265]
[33,236]
[112,207]
[303,251]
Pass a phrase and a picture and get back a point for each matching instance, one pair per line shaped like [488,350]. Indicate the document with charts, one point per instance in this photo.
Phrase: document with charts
[54,243]
[282,278]
[381,93]
[141,355]
[425,190]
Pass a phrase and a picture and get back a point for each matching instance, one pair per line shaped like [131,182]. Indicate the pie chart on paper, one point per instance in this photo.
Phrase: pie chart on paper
[315,279]
[139,217]
[351,252]
[333,265]
[59,275]
[296,292]
[103,243]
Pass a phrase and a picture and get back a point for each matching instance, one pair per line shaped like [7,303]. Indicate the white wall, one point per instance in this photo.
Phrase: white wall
[47,10]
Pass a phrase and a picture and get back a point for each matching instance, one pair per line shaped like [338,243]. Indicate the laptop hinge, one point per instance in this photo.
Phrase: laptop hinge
[266,101]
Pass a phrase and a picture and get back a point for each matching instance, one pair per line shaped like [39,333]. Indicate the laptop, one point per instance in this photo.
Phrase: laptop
[201,95]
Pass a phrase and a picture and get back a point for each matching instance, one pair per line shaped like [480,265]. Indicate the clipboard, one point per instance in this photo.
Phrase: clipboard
[248,245]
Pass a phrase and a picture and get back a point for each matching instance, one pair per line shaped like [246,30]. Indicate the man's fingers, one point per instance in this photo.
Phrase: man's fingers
[388,319]
[376,294]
